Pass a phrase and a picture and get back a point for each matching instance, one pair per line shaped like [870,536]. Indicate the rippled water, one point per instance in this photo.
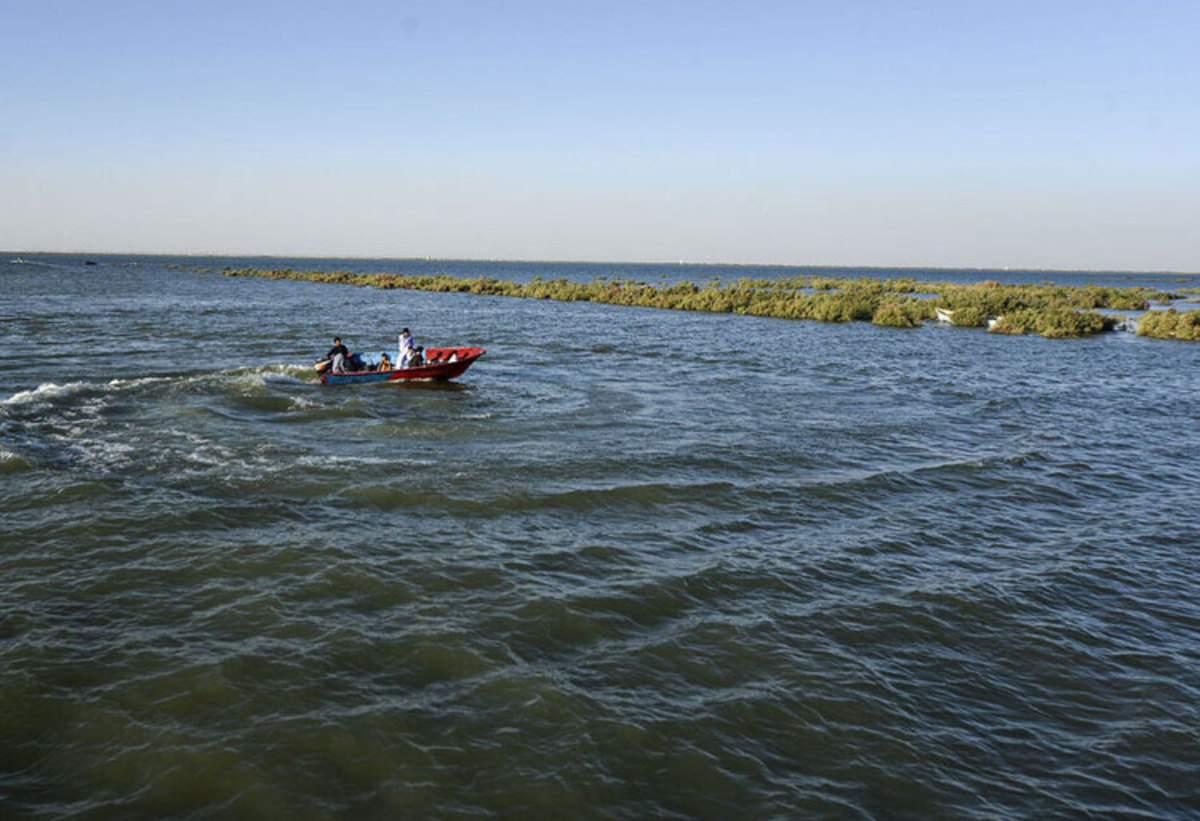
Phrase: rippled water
[633,564]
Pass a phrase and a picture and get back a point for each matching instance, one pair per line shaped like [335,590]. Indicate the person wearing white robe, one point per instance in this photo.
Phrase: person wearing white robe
[406,348]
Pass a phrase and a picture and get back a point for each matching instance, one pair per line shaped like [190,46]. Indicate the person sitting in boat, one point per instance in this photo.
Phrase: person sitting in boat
[406,347]
[453,357]
[338,355]
[417,358]
[385,364]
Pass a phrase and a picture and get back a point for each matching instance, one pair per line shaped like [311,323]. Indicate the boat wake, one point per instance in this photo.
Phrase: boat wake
[158,424]
[49,392]
[42,394]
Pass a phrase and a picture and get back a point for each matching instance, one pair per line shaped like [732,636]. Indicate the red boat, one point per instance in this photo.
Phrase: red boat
[441,364]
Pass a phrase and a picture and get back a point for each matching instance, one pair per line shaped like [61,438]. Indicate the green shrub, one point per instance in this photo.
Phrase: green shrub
[970,316]
[1170,324]
[842,307]
[1014,323]
[895,315]
[1065,322]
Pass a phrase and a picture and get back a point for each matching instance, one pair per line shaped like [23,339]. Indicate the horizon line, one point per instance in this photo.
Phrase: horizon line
[681,262]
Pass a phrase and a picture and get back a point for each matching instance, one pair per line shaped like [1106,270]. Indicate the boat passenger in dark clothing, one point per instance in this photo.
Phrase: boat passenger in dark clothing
[339,355]
[337,348]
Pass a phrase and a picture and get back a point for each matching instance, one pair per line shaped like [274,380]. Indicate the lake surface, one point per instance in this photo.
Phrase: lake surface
[634,564]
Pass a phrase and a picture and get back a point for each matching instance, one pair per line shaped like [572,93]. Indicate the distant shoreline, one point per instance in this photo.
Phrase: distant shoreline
[5,255]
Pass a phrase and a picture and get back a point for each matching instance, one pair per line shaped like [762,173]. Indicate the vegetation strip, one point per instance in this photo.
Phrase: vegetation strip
[1054,311]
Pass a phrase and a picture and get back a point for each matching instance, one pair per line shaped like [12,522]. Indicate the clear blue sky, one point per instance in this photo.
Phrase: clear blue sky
[1024,134]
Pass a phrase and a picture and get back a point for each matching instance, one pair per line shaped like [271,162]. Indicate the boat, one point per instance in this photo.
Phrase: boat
[441,365]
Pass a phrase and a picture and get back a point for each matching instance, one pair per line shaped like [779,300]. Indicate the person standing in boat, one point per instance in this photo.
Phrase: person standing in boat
[337,355]
[406,348]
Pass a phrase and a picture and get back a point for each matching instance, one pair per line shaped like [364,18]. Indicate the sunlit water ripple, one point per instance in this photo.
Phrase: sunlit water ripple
[633,564]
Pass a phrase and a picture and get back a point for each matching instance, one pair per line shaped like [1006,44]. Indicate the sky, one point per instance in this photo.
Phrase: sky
[1060,134]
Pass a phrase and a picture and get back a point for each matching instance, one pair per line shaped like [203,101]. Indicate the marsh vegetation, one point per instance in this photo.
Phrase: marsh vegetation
[1051,310]
[1171,324]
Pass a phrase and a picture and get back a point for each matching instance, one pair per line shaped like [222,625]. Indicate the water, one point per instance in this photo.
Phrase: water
[633,564]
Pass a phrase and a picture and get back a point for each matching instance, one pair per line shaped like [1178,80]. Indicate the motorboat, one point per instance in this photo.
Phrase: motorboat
[440,365]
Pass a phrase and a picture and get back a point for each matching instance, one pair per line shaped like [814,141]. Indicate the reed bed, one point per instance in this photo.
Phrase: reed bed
[1051,310]
[1171,324]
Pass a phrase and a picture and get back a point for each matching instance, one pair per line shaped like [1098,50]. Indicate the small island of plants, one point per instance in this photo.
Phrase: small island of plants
[1053,311]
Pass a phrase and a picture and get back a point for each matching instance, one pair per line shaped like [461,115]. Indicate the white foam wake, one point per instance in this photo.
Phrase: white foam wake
[42,393]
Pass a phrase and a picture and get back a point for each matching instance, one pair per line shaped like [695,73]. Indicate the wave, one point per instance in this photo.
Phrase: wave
[129,425]
[43,393]
[280,369]
[647,496]
[331,460]
[255,376]
[12,462]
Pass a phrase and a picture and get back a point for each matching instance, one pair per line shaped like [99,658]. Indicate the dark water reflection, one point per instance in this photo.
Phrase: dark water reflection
[635,564]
